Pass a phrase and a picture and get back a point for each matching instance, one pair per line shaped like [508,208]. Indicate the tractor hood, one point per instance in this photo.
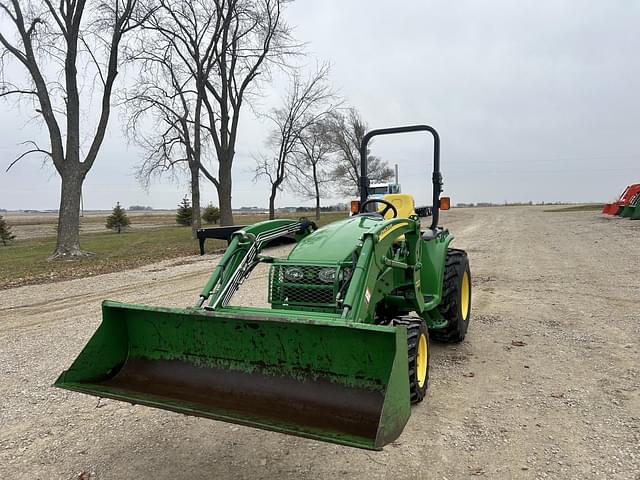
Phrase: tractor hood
[334,242]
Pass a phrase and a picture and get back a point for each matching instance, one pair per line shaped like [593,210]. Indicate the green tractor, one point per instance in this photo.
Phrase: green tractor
[340,352]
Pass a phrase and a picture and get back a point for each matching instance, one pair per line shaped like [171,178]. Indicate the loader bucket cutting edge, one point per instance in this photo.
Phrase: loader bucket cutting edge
[328,380]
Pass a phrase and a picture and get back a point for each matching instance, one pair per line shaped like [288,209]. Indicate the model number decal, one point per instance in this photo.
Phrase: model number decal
[387,230]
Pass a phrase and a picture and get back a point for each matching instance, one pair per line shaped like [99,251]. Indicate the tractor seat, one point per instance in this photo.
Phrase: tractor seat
[403,202]
[404,205]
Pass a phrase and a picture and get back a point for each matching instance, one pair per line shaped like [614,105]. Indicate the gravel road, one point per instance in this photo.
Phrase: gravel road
[546,385]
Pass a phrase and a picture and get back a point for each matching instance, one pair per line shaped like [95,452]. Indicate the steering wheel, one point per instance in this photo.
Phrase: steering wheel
[389,206]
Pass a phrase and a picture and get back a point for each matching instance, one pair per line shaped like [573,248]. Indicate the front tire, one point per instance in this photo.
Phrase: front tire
[456,298]
[418,356]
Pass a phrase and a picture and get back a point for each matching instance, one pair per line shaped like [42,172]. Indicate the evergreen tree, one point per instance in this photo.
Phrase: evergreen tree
[5,232]
[118,219]
[211,214]
[184,213]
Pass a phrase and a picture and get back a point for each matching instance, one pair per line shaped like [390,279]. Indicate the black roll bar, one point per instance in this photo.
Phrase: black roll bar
[436,178]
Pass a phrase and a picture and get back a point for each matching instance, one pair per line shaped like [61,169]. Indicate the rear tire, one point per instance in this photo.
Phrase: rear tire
[456,298]
[418,355]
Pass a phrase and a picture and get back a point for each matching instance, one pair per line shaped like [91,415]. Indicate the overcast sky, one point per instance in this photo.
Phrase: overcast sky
[534,100]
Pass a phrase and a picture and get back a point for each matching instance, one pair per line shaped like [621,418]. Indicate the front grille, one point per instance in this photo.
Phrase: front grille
[302,286]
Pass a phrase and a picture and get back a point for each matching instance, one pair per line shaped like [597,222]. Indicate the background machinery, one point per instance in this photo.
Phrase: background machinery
[625,198]
[339,353]
[629,210]
[380,190]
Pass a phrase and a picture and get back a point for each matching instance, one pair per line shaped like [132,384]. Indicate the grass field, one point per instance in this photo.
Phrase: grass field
[588,207]
[24,262]
[92,218]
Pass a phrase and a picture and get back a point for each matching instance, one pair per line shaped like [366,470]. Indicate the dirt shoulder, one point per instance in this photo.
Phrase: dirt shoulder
[546,385]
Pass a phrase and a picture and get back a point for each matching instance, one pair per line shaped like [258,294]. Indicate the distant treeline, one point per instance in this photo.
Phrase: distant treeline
[139,208]
[331,208]
[507,204]
[341,207]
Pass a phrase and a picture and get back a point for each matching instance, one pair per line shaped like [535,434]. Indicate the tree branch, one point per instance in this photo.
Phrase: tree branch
[4,93]
[28,152]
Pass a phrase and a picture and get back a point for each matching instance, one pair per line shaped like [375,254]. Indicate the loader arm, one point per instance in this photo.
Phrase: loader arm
[242,256]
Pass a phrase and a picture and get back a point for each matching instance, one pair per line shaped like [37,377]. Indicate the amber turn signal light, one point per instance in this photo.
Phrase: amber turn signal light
[355,206]
[445,203]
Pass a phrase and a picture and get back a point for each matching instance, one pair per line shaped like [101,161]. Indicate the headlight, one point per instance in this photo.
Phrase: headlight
[293,274]
[327,275]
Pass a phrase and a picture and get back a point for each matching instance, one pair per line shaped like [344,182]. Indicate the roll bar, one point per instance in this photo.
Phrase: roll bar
[436,177]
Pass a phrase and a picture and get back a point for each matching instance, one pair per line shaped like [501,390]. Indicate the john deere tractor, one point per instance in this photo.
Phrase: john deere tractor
[339,353]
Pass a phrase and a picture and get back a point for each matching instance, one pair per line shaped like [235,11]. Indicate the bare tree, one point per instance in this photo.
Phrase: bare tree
[211,52]
[254,37]
[307,102]
[57,40]
[175,52]
[348,129]
[310,176]
[173,143]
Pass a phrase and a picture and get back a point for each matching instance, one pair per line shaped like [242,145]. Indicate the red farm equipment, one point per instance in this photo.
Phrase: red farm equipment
[616,208]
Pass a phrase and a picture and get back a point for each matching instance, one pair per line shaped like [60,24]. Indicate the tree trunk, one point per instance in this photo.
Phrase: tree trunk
[195,198]
[68,242]
[317,187]
[224,193]
[272,203]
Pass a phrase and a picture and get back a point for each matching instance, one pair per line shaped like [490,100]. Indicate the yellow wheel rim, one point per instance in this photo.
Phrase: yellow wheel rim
[465,296]
[421,360]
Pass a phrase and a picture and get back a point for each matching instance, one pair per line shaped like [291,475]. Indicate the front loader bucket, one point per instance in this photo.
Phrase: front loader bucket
[324,379]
